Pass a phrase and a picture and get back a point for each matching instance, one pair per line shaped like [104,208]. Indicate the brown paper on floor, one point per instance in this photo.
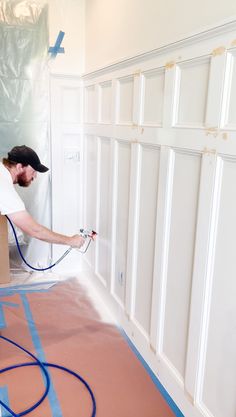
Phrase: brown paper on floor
[72,334]
[4,252]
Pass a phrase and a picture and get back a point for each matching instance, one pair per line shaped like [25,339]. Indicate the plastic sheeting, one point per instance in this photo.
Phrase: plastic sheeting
[24,97]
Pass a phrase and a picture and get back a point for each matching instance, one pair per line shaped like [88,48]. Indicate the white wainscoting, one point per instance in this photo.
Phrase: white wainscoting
[160,175]
[156,138]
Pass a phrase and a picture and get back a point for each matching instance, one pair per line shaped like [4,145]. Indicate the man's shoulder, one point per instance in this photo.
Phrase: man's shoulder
[4,173]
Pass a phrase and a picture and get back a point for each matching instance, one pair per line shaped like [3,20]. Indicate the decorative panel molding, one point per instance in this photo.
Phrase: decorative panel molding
[91,104]
[105,102]
[220,362]
[180,258]
[125,100]
[160,160]
[149,171]
[229,102]
[193,79]
[91,163]
[153,97]
[104,211]
[122,175]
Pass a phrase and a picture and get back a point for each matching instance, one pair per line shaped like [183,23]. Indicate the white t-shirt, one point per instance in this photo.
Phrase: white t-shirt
[10,201]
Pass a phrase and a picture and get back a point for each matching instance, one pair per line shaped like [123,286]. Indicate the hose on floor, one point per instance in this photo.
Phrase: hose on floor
[43,366]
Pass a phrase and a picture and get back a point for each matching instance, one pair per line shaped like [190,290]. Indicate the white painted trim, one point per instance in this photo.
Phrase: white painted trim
[114,212]
[133,227]
[98,205]
[202,275]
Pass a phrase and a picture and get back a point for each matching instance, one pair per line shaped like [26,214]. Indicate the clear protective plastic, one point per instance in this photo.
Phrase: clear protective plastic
[24,97]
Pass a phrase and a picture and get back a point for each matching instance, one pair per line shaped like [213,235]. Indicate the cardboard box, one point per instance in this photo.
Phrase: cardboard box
[4,252]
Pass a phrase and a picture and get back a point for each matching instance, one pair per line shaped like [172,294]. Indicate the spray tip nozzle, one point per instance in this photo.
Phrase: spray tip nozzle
[87,233]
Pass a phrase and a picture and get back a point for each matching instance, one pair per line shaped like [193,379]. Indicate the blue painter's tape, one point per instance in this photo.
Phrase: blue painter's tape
[25,289]
[57,49]
[52,397]
[10,293]
[2,318]
[6,303]
[60,50]
[34,284]
[156,381]
[5,399]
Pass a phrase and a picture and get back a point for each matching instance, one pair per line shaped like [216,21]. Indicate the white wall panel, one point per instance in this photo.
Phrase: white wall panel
[104,211]
[230,91]
[105,105]
[71,158]
[125,100]
[91,104]
[91,190]
[71,105]
[180,259]
[66,145]
[193,90]
[219,379]
[146,235]
[121,219]
[153,97]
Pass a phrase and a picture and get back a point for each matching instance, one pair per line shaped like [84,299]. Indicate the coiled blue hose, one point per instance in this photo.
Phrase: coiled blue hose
[16,366]
[42,366]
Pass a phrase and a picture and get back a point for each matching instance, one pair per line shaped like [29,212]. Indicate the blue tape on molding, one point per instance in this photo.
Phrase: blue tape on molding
[57,49]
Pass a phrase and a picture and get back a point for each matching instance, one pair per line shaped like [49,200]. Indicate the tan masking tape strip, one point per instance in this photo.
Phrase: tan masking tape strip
[170,64]
[218,51]
[152,348]
[233,43]
[208,151]
[225,135]
[212,131]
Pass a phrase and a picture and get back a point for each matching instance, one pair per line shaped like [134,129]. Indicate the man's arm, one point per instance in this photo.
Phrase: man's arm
[28,225]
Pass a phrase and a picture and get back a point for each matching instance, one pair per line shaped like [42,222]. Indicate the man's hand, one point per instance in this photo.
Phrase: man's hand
[77,241]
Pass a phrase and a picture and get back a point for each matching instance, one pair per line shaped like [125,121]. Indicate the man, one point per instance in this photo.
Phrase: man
[21,167]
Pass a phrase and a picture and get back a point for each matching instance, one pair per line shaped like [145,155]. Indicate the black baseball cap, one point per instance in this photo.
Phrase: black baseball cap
[26,156]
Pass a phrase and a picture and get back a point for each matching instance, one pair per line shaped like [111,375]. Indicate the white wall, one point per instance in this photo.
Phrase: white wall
[116,29]
[69,17]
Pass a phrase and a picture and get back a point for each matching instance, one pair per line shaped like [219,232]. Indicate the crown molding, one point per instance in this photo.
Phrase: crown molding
[193,38]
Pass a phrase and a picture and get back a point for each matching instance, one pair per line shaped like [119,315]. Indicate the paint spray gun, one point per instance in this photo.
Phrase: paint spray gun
[85,233]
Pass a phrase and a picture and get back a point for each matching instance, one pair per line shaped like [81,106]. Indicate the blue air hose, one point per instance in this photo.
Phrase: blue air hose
[48,267]
[42,366]
[16,366]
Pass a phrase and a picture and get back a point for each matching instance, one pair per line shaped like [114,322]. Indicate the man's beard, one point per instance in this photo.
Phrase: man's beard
[22,182]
